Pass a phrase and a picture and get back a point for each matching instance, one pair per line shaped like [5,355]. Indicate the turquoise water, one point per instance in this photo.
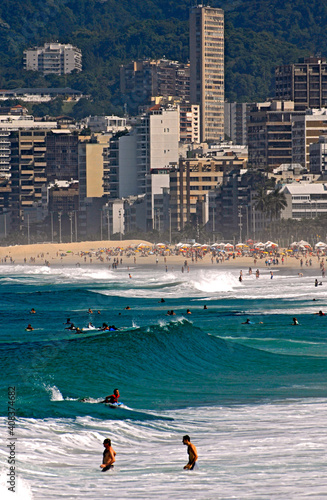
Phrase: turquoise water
[252,397]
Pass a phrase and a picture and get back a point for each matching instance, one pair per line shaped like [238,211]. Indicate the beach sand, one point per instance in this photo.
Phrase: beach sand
[95,253]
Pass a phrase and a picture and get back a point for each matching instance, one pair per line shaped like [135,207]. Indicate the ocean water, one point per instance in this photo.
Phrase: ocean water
[252,397]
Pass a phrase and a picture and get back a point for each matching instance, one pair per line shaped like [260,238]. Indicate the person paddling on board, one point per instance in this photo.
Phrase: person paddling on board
[108,456]
[113,399]
[192,453]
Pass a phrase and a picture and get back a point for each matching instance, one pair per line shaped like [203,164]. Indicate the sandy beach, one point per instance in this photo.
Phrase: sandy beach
[104,252]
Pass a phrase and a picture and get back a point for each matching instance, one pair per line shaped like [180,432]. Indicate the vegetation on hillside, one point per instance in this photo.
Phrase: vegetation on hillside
[259,35]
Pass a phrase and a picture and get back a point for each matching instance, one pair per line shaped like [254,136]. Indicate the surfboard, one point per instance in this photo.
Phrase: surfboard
[114,405]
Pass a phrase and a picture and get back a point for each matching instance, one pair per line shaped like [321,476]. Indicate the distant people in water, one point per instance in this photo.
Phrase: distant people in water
[127,308]
[171,313]
[192,453]
[295,321]
[29,328]
[188,311]
[247,322]
[90,311]
[32,311]
[316,282]
[320,313]
[162,300]
[205,307]
[109,455]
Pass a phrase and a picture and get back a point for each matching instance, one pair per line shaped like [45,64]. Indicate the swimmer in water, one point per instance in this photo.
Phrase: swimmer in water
[32,311]
[29,328]
[247,322]
[192,453]
[188,311]
[295,321]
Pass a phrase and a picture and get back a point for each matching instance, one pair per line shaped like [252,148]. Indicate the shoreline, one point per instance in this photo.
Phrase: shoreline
[105,253]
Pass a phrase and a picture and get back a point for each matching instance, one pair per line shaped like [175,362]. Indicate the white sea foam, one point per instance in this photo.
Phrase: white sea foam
[272,450]
[55,394]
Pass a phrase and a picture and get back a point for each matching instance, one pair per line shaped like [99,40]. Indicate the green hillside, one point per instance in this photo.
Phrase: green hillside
[260,34]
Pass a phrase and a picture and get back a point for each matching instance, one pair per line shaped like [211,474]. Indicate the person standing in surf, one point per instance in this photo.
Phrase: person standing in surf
[108,456]
[192,453]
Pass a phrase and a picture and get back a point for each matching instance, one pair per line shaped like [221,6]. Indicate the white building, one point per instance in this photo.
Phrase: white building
[57,58]
[130,160]
[305,201]
[111,124]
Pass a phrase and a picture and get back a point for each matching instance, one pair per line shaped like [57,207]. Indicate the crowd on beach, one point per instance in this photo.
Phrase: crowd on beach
[146,253]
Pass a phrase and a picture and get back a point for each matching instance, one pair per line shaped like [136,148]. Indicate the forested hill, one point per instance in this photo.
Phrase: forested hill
[260,34]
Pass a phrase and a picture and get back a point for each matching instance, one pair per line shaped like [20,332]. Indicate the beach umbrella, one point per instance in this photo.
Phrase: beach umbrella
[196,245]
[229,245]
[240,245]
[320,244]
[259,244]
[294,244]
[303,243]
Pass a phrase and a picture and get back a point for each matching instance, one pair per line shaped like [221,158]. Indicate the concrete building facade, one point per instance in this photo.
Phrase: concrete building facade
[306,130]
[270,134]
[235,124]
[141,80]
[53,58]
[207,69]
[304,83]
[318,156]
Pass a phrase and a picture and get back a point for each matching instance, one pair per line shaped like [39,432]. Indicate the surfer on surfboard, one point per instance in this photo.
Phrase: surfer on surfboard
[113,398]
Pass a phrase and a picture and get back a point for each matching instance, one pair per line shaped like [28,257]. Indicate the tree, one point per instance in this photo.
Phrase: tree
[276,202]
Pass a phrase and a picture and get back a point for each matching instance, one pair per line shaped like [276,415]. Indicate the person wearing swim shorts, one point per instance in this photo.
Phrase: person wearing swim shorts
[192,453]
[108,456]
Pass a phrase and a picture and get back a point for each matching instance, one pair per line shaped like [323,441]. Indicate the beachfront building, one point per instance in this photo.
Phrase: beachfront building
[304,83]
[232,205]
[28,175]
[235,124]
[138,163]
[190,183]
[207,69]
[53,58]
[91,154]
[270,134]
[306,130]
[305,200]
[61,155]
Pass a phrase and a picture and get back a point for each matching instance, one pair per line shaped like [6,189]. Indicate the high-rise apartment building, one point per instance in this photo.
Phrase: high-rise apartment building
[270,134]
[55,58]
[306,130]
[207,69]
[141,80]
[305,83]
[236,117]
